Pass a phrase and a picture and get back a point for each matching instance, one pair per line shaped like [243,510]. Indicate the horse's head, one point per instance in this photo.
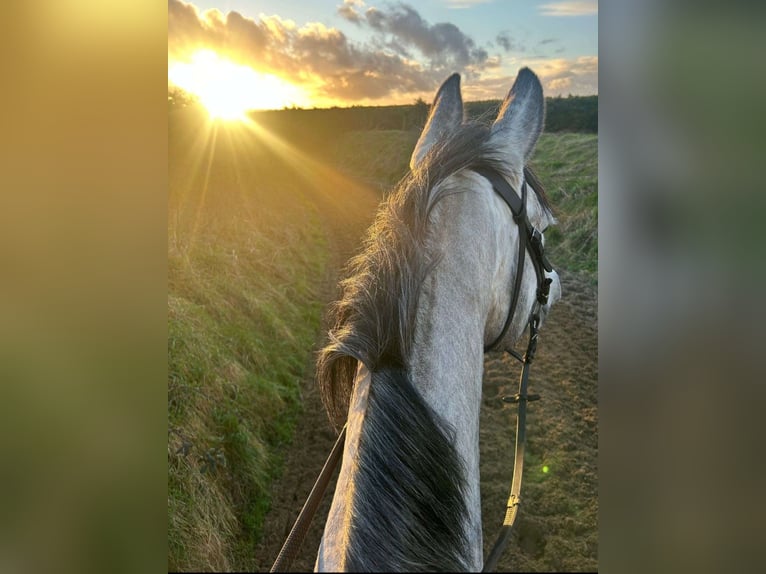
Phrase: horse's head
[501,159]
[453,264]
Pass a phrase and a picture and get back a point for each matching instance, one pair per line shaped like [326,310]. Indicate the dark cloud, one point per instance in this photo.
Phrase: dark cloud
[375,18]
[505,41]
[443,43]
[325,57]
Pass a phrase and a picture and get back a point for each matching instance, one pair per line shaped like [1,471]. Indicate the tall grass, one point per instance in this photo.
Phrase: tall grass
[244,273]
[379,157]
[567,164]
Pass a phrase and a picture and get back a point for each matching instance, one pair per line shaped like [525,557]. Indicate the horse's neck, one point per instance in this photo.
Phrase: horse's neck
[446,365]
[448,357]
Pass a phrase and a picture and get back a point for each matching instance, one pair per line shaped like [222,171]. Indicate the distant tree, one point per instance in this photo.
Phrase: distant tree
[572,114]
[419,114]
[179,98]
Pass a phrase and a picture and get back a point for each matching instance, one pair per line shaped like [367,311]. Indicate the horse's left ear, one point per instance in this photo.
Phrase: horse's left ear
[520,120]
[446,116]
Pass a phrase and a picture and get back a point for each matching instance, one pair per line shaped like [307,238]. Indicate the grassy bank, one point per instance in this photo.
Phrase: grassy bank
[247,252]
[567,164]
[244,270]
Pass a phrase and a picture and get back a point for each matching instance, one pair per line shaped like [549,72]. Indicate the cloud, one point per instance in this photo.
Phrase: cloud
[324,60]
[562,76]
[505,41]
[462,4]
[570,8]
[348,10]
[443,44]
[404,57]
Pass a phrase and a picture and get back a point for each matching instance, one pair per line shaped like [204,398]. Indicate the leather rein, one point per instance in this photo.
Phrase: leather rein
[529,239]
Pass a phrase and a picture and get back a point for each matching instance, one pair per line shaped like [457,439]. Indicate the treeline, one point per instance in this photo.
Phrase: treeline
[315,129]
[571,114]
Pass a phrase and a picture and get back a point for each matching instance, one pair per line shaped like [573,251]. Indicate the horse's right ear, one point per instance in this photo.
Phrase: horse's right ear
[520,120]
[446,116]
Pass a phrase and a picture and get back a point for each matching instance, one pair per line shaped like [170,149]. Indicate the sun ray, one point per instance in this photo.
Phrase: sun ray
[323,180]
[203,195]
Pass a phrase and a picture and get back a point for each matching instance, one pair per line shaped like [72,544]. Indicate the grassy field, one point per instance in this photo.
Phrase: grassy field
[244,306]
[243,314]
[567,164]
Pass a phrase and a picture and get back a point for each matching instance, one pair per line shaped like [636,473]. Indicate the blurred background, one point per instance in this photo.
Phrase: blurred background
[83,295]
[680,272]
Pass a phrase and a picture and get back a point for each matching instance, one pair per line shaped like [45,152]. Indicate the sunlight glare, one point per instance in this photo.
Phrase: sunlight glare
[228,90]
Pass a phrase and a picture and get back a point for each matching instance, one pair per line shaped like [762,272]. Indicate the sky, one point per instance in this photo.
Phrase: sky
[320,53]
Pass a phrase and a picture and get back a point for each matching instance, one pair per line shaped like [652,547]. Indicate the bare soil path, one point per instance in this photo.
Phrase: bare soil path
[557,529]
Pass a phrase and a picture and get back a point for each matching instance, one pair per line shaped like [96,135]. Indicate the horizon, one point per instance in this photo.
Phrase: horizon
[194,100]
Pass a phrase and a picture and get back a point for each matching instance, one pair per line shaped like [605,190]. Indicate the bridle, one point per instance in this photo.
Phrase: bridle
[529,239]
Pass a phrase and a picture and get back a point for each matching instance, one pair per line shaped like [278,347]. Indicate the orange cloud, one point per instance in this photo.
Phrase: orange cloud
[385,68]
[566,76]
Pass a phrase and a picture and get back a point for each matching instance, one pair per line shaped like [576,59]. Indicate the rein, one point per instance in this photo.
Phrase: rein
[521,398]
[300,528]
[529,238]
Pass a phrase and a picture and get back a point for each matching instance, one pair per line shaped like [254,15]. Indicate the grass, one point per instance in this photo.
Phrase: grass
[379,157]
[244,310]
[242,324]
[243,316]
[567,164]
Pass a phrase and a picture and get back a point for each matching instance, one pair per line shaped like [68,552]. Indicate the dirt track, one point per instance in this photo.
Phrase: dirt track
[557,529]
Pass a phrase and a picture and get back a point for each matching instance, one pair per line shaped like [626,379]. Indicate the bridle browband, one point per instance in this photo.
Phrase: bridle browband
[529,238]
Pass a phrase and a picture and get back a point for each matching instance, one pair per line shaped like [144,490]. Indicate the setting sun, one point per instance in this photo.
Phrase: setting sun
[228,90]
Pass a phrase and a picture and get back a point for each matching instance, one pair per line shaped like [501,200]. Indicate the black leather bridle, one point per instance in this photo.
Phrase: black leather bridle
[529,239]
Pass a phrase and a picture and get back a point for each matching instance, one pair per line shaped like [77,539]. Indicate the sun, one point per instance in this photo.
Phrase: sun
[229,90]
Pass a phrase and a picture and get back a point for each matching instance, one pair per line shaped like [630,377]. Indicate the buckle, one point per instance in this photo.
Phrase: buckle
[517,398]
[544,291]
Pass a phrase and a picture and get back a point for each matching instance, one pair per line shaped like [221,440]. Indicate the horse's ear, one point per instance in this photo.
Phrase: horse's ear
[520,120]
[446,116]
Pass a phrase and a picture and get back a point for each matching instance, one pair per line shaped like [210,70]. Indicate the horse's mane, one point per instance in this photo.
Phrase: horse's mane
[409,506]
